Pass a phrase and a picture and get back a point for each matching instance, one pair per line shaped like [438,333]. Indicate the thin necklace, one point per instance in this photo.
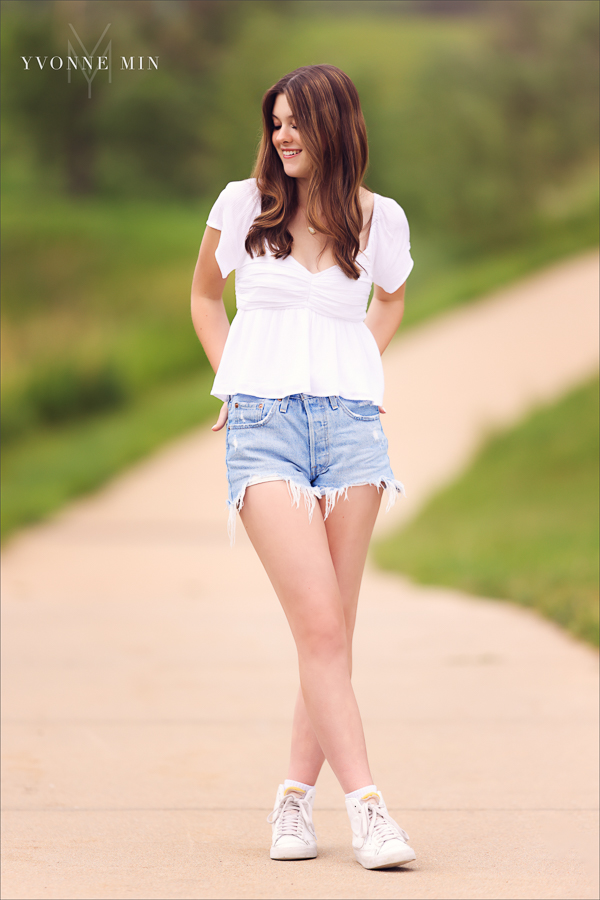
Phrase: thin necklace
[311,230]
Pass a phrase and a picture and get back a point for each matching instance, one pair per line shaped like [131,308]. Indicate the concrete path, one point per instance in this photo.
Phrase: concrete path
[149,674]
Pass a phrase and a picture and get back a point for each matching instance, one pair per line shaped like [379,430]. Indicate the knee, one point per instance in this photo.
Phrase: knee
[324,639]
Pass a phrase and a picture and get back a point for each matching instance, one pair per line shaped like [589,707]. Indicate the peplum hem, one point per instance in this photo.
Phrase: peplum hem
[311,354]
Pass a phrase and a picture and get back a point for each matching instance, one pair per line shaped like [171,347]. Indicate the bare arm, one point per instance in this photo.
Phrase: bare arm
[385,314]
[208,311]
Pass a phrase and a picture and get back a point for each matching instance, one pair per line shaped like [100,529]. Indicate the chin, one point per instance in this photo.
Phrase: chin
[293,171]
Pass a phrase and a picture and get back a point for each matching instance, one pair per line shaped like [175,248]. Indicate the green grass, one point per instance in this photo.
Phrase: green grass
[95,305]
[444,278]
[42,472]
[522,523]
[86,250]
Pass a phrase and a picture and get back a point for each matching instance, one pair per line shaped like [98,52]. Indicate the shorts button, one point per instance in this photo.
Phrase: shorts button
[260,406]
[236,405]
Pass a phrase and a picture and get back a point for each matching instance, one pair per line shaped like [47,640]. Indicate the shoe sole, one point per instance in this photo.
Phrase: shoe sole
[388,864]
[291,855]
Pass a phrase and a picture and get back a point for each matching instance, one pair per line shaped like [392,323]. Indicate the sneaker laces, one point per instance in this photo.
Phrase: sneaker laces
[290,814]
[377,824]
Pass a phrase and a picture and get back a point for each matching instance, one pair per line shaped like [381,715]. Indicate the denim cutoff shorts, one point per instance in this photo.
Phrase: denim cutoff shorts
[320,446]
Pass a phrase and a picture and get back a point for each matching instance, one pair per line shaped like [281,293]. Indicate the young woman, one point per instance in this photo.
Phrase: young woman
[301,376]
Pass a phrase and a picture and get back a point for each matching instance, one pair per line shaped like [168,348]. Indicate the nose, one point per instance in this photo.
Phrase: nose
[284,135]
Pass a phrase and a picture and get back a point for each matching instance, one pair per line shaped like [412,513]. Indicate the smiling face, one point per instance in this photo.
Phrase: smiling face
[287,140]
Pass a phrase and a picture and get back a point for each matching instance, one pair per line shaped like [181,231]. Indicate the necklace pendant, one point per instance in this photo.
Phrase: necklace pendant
[311,229]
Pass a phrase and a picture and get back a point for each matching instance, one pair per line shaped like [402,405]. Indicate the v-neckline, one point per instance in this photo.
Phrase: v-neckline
[335,266]
[308,272]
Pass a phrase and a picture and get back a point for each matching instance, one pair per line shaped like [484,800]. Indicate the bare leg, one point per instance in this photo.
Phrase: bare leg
[298,560]
[349,527]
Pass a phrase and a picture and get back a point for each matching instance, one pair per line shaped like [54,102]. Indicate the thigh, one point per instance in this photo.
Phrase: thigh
[296,555]
[349,528]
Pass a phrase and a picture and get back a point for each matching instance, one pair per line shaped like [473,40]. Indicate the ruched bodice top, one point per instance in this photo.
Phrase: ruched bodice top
[298,332]
[268,283]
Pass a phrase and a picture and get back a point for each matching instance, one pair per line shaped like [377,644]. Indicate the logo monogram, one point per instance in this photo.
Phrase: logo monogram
[88,57]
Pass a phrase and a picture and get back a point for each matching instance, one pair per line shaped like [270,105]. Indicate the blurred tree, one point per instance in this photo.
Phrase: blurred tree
[468,129]
[488,128]
[57,118]
[448,7]
[154,123]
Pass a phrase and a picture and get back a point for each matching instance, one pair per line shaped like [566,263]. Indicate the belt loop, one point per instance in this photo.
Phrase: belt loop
[284,404]
[334,402]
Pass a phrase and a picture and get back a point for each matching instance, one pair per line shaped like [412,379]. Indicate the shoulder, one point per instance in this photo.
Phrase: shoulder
[238,202]
[232,214]
[247,187]
[245,192]
[389,213]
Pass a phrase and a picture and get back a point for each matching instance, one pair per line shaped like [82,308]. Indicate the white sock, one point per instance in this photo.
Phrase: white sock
[361,793]
[289,784]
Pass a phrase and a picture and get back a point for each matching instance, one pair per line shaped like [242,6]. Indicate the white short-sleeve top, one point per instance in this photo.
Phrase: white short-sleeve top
[296,332]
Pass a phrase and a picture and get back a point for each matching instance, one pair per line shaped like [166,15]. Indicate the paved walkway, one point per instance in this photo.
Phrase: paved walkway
[149,673]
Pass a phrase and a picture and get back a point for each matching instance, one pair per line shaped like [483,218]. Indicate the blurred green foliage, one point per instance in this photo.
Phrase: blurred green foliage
[480,122]
[95,313]
[482,118]
[48,467]
[522,523]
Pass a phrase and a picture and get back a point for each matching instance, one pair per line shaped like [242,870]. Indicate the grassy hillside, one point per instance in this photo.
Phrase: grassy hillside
[52,465]
[95,306]
[522,523]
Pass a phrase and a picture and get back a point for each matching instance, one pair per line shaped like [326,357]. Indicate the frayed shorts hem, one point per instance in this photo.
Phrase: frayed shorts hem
[311,494]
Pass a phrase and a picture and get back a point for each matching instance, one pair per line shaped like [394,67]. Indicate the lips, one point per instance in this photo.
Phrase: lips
[290,154]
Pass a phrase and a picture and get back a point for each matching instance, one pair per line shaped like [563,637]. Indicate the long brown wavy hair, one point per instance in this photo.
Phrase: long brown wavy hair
[327,111]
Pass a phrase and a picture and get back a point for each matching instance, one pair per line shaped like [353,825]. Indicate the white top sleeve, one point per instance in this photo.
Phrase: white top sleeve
[234,211]
[392,262]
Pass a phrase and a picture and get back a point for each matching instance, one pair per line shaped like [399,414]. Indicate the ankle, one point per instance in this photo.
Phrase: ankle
[298,787]
[363,792]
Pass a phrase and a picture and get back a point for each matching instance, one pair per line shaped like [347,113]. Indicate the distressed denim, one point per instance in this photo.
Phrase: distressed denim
[320,446]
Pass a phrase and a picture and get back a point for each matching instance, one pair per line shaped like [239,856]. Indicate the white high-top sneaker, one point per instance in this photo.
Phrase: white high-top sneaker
[378,840]
[293,830]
